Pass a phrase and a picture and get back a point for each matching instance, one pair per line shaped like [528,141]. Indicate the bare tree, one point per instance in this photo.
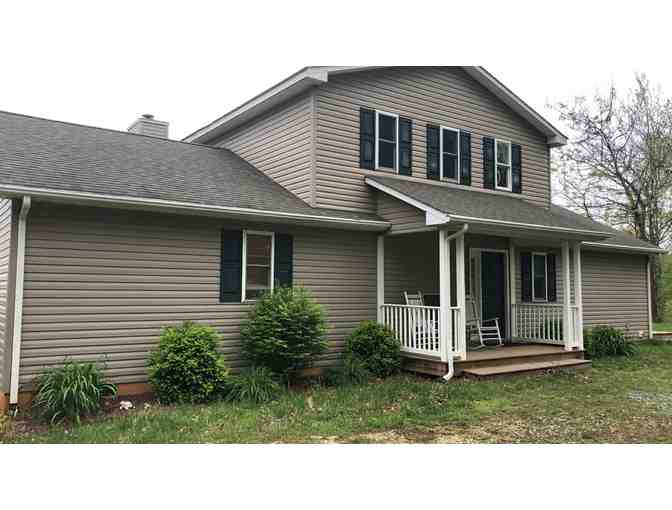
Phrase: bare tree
[617,167]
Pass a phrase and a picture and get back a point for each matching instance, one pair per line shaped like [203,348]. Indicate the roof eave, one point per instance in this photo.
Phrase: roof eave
[277,94]
[189,208]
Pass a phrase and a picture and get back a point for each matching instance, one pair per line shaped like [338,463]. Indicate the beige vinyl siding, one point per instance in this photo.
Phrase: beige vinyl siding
[5,248]
[101,284]
[402,217]
[438,95]
[411,265]
[615,291]
[279,144]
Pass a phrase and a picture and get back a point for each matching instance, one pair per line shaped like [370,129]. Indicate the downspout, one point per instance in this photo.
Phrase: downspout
[18,302]
[451,362]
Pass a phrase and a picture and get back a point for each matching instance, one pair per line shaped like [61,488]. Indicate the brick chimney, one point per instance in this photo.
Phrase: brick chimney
[148,125]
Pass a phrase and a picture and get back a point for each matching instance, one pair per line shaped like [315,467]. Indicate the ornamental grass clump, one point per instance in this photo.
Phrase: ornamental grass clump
[71,392]
[603,341]
[285,331]
[186,367]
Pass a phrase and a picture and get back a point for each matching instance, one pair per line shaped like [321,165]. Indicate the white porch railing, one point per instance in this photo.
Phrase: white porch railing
[418,328]
[540,323]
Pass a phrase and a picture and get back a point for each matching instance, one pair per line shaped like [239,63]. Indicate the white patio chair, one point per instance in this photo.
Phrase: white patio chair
[487,329]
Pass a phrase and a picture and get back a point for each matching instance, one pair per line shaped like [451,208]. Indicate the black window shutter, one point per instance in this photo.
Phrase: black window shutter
[488,163]
[367,138]
[284,260]
[526,276]
[516,168]
[405,146]
[550,277]
[231,267]
[465,158]
[433,156]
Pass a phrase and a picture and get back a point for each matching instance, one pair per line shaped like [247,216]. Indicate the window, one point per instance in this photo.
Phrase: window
[502,165]
[450,154]
[387,136]
[539,272]
[257,263]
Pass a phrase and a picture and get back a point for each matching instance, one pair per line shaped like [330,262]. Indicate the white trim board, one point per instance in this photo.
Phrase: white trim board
[181,207]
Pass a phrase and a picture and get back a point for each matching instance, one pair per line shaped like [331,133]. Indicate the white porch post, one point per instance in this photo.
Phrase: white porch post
[460,287]
[578,297]
[445,325]
[513,327]
[567,333]
[380,277]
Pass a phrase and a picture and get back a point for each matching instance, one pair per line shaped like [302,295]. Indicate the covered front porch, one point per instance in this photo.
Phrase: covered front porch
[470,278]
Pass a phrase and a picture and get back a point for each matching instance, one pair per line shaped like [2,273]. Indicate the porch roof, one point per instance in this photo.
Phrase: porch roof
[461,205]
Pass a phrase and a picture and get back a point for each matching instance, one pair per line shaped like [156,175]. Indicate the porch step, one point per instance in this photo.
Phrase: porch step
[488,370]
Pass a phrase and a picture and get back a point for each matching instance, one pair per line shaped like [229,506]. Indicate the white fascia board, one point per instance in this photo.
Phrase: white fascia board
[295,84]
[530,226]
[624,247]
[190,208]
[554,137]
[432,216]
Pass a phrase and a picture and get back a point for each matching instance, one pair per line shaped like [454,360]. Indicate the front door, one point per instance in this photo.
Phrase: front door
[493,287]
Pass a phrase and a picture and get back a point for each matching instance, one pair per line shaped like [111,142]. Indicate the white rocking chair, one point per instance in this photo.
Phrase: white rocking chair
[488,329]
[421,327]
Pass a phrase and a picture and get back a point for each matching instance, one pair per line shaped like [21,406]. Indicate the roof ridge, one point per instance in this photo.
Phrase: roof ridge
[119,131]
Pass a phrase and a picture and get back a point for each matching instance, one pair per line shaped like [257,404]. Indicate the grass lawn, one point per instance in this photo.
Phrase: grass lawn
[662,326]
[619,400]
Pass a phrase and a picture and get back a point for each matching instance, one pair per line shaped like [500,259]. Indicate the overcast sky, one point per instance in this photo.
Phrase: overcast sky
[189,63]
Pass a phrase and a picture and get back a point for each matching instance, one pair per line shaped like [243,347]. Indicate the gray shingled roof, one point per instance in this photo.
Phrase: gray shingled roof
[40,153]
[467,203]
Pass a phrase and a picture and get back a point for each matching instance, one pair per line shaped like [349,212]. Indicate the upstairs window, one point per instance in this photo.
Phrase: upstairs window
[450,154]
[257,263]
[387,137]
[503,165]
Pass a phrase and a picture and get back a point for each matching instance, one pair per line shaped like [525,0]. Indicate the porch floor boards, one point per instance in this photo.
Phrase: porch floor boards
[505,360]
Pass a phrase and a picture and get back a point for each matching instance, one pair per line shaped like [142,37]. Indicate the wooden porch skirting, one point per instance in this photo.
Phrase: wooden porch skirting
[508,359]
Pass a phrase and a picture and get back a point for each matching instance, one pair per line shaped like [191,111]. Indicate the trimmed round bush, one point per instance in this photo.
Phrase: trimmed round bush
[607,341]
[375,347]
[186,367]
[285,331]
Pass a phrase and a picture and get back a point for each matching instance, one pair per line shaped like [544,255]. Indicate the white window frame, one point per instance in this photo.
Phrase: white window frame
[396,159]
[497,165]
[243,296]
[458,168]
[534,297]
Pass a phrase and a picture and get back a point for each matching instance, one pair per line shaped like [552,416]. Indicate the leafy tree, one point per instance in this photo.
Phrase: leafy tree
[617,167]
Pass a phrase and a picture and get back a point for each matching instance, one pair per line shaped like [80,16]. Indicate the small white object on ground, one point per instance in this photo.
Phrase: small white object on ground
[125,405]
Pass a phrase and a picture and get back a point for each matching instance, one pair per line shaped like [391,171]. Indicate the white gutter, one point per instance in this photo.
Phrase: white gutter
[95,198]
[18,301]
[625,247]
[451,362]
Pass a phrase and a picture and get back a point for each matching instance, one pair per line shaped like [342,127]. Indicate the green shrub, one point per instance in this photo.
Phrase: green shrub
[186,367]
[374,346]
[352,371]
[607,341]
[256,385]
[71,392]
[285,331]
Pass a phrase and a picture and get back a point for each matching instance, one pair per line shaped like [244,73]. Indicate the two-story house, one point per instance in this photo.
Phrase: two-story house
[416,196]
